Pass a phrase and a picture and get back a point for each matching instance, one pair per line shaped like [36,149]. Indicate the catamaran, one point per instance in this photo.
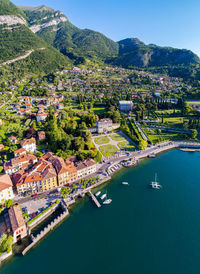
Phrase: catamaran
[107,202]
[98,193]
[155,184]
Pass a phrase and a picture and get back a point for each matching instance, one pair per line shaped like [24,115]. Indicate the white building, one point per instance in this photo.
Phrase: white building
[6,188]
[104,125]
[41,117]
[85,168]
[125,106]
[29,145]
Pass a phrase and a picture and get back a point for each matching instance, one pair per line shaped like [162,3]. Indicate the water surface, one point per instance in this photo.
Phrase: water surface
[143,231]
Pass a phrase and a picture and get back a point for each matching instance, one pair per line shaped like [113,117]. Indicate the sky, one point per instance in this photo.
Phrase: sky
[174,23]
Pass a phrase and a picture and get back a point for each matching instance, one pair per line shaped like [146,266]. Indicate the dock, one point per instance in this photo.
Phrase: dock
[94,199]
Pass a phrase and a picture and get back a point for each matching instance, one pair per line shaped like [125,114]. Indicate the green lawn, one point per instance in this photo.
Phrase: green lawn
[102,140]
[117,137]
[165,136]
[108,150]
[193,102]
[126,145]
[173,121]
[99,110]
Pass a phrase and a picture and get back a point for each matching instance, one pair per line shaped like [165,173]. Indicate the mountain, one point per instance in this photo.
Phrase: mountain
[133,52]
[19,45]
[55,28]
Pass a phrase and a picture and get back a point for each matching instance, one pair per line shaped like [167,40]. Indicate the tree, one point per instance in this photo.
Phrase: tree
[142,144]
[8,203]
[194,133]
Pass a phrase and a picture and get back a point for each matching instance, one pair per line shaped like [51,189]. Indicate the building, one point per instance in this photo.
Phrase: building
[29,145]
[13,139]
[41,135]
[72,171]
[19,152]
[61,170]
[49,179]
[41,117]
[85,168]
[16,224]
[23,161]
[125,106]
[6,188]
[1,147]
[104,125]
[26,183]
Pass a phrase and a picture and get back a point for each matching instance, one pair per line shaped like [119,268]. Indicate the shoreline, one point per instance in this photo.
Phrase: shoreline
[139,155]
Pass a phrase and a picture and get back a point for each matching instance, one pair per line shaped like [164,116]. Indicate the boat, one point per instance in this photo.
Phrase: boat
[103,196]
[155,184]
[107,202]
[125,183]
[98,193]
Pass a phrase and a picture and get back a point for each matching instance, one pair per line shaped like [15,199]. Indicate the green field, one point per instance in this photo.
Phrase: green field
[101,140]
[117,137]
[99,110]
[108,150]
[193,102]
[164,136]
[126,145]
[173,121]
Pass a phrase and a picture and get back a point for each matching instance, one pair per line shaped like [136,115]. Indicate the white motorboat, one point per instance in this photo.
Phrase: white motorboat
[125,183]
[107,202]
[103,196]
[98,193]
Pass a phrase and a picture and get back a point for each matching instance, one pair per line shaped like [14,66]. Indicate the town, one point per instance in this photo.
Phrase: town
[65,133]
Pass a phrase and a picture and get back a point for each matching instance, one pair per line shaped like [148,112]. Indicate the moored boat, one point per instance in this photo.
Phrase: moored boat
[98,193]
[107,202]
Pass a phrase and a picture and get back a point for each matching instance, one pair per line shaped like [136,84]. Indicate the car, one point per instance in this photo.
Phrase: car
[34,195]
[33,214]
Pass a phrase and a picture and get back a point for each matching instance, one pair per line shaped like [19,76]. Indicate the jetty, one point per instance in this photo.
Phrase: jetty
[94,199]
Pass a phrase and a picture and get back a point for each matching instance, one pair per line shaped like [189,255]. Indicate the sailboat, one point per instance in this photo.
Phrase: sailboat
[155,184]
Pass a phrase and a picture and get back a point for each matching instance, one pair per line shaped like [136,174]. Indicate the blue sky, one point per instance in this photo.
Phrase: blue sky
[173,23]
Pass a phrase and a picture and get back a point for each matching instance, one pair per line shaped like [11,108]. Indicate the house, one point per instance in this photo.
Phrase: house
[41,135]
[72,171]
[49,179]
[19,152]
[41,117]
[22,161]
[29,145]
[26,183]
[125,106]
[85,168]
[61,170]
[6,188]
[16,223]
[104,125]
[1,147]
[13,139]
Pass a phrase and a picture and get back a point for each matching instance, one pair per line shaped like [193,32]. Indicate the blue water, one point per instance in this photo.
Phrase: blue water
[143,231]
